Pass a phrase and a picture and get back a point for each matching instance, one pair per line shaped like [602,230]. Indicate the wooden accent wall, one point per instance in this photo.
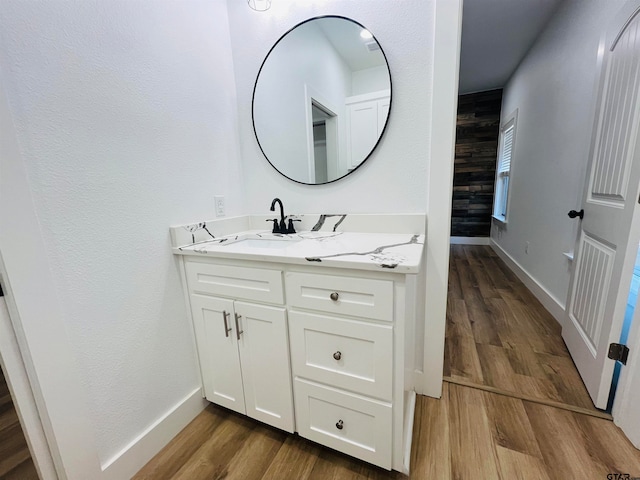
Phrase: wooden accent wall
[477,132]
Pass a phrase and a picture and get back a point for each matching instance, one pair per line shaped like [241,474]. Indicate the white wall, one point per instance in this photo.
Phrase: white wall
[394,178]
[125,114]
[369,80]
[553,90]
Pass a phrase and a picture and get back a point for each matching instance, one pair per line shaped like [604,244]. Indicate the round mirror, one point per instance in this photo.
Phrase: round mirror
[321,100]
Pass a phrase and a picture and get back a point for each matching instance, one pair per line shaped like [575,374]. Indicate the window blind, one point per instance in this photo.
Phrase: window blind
[507,148]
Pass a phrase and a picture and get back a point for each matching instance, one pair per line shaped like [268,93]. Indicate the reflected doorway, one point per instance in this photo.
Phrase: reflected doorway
[324,167]
[320,118]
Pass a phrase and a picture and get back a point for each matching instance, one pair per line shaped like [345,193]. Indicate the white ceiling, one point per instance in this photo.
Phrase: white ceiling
[496,35]
[344,35]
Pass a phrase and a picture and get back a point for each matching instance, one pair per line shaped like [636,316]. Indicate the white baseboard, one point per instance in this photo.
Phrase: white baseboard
[135,455]
[470,240]
[549,302]
[429,383]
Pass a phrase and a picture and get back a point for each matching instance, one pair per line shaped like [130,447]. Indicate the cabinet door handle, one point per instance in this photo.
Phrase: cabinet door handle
[238,331]
[340,425]
[227,329]
[334,296]
[337,355]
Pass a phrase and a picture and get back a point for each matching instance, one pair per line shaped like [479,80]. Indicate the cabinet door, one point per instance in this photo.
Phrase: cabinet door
[383,112]
[266,370]
[363,131]
[213,320]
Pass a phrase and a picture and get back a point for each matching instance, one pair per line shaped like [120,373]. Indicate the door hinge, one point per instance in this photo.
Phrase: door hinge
[618,352]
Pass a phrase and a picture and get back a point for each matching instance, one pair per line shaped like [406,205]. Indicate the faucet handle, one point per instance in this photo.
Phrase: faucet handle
[276,227]
[290,228]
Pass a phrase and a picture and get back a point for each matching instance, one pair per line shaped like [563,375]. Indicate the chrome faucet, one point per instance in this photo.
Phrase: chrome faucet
[282,227]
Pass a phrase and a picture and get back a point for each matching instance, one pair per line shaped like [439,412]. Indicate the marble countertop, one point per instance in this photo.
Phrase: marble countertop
[393,252]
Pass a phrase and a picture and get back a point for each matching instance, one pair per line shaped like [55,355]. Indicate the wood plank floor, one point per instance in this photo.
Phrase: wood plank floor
[467,434]
[15,459]
[499,335]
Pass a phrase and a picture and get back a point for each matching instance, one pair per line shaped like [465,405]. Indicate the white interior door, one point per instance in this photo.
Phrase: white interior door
[607,242]
[363,130]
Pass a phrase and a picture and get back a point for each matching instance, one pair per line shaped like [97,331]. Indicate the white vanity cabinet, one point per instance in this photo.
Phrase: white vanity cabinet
[243,347]
[366,118]
[321,350]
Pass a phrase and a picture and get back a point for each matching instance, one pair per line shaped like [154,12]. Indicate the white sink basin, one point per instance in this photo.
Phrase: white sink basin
[262,243]
[263,240]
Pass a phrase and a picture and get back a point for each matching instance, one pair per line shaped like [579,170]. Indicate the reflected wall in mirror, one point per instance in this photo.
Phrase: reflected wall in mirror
[321,100]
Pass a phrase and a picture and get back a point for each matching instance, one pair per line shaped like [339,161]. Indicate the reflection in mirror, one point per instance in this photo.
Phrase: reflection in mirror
[320,154]
[321,100]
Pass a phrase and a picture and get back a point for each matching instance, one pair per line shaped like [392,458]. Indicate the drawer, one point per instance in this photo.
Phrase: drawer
[246,283]
[360,297]
[349,423]
[349,354]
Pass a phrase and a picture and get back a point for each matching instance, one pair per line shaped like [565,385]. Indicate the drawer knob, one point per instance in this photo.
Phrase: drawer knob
[334,296]
[340,425]
[337,355]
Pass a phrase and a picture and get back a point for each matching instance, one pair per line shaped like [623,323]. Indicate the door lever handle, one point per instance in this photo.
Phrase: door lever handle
[574,214]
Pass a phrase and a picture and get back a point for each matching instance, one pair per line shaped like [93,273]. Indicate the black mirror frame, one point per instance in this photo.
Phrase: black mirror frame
[386,123]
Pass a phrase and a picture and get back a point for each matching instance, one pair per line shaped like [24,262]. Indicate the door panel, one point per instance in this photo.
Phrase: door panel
[612,161]
[218,351]
[594,277]
[363,128]
[605,257]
